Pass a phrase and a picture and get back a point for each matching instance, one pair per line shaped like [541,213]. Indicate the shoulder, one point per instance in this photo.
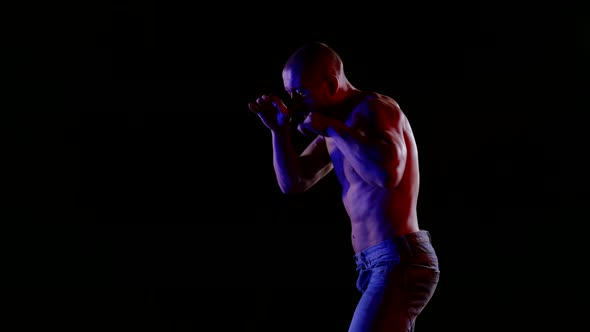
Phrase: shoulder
[380,107]
[380,101]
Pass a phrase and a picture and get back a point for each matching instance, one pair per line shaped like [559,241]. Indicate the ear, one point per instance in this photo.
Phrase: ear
[333,84]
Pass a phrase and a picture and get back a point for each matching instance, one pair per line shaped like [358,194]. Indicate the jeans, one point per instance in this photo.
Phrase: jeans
[397,279]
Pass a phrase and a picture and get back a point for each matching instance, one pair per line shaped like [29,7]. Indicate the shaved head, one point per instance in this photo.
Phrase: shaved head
[314,78]
[314,60]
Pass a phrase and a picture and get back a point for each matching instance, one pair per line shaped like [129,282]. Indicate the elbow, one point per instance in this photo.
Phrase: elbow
[391,182]
[292,188]
[392,175]
[287,190]
[291,192]
[387,179]
[386,182]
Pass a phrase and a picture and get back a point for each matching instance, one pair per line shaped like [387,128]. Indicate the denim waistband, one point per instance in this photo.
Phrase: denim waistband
[400,245]
[405,242]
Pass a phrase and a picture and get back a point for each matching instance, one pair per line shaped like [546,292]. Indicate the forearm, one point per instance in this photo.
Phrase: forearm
[286,162]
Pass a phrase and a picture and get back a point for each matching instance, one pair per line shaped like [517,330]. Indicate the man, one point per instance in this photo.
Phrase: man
[367,140]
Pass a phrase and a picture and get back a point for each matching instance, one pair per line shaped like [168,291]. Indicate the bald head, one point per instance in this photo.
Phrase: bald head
[314,60]
[314,78]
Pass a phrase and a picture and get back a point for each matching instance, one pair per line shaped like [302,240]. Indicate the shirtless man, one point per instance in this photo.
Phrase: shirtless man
[367,140]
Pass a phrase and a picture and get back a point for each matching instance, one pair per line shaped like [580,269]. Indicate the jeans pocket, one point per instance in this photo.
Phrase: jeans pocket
[420,283]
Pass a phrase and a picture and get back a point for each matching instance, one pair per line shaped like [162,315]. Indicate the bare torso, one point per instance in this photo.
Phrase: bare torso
[378,213]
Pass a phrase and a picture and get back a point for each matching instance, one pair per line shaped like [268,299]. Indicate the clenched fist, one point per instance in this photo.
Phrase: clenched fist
[272,111]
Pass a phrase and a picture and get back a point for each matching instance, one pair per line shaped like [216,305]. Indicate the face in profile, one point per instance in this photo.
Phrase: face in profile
[305,93]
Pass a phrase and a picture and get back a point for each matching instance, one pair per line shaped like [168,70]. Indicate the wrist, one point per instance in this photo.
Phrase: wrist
[282,130]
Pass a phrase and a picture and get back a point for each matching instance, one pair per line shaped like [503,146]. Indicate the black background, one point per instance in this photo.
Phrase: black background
[140,192]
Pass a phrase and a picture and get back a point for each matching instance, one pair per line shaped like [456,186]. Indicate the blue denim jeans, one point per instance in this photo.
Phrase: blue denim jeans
[396,279]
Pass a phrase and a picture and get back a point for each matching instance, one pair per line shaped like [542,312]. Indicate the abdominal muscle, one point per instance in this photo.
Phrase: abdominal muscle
[377,214]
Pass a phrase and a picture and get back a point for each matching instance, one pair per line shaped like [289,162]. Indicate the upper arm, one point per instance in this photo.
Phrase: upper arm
[390,124]
[383,127]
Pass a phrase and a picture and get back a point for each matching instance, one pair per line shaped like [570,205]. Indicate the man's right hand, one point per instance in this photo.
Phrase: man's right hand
[272,111]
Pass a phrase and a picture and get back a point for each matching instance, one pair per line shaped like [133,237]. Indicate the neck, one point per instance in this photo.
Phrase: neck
[347,100]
